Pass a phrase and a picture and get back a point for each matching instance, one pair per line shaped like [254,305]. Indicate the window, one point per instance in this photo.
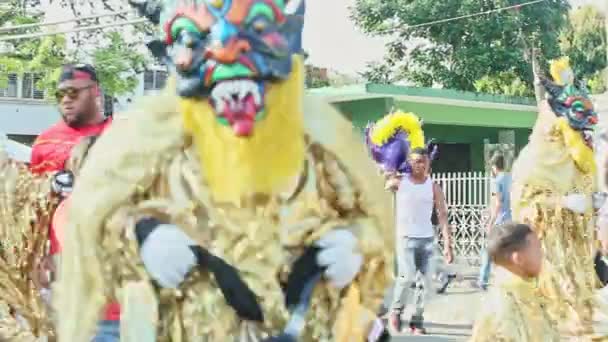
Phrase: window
[29,90]
[154,79]
[10,90]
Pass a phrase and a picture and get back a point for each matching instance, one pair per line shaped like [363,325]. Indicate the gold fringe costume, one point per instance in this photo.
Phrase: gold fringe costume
[555,163]
[26,207]
[158,171]
[514,311]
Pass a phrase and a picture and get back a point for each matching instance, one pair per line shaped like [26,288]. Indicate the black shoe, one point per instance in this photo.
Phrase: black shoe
[445,283]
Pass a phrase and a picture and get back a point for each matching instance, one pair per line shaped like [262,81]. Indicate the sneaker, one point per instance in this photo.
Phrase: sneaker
[445,282]
[394,322]
[477,285]
[418,331]
[416,325]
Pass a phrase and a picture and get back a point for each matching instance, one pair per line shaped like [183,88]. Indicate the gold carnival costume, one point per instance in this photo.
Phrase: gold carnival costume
[26,207]
[254,192]
[555,167]
[514,312]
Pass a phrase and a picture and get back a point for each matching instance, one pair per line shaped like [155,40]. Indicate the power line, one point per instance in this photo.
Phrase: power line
[74,30]
[24,26]
[466,16]
[137,21]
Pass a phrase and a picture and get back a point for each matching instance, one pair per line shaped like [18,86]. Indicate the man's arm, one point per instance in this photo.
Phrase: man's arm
[496,204]
[442,216]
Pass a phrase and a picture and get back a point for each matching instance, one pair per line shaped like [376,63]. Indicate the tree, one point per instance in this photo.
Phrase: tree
[458,53]
[584,41]
[117,65]
[505,83]
[116,60]
[43,55]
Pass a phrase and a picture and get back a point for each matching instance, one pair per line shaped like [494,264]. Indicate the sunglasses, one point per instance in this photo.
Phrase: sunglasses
[71,92]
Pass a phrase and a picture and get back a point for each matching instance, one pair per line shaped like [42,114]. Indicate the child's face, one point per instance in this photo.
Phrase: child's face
[529,259]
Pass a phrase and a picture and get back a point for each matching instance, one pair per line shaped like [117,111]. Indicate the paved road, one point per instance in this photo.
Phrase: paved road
[449,317]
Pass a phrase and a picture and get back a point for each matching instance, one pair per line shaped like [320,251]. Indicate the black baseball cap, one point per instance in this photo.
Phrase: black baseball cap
[78,71]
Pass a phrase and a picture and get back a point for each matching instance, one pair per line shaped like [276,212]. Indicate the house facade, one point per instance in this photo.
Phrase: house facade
[464,124]
[26,111]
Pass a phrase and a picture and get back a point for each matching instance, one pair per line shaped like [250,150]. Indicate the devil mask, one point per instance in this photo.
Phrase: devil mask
[568,100]
[227,51]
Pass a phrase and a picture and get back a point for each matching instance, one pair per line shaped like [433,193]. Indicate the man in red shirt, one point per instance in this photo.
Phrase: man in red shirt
[78,96]
[79,99]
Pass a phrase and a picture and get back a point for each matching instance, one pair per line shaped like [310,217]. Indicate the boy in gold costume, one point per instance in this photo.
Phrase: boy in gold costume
[515,312]
[553,183]
[225,204]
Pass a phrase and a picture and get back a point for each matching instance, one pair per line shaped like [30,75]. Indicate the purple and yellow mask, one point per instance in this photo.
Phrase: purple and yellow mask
[228,52]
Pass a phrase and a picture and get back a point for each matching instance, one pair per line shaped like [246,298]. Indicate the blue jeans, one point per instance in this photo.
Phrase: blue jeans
[107,331]
[413,255]
[486,267]
[486,263]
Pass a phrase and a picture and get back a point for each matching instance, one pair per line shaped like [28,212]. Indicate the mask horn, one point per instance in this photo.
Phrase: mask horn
[553,89]
[150,9]
[295,7]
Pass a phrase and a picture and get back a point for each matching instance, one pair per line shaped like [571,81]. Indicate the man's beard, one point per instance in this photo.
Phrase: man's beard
[76,121]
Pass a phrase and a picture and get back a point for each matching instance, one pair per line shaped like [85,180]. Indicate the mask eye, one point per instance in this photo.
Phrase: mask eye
[259,25]
[186,32]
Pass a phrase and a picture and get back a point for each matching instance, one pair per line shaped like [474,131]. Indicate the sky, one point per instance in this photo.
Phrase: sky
[330,37]
[333,41]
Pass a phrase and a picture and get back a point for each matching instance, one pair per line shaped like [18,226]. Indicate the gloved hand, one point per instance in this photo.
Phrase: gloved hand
[62,183]
[169,255]
[339,257]
[578,203]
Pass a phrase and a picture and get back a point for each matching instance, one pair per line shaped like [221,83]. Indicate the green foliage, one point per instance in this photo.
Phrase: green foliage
[584,41]
[505,83]
[117,64]
[456,54]
[597,83]
[116,61]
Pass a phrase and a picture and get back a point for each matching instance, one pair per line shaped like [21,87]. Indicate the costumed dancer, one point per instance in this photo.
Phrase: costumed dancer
[236,209]
[396,143]
[27,204]
[553,183]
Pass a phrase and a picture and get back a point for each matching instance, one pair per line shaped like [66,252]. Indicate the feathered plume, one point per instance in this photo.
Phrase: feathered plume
[561,72]
[391,138]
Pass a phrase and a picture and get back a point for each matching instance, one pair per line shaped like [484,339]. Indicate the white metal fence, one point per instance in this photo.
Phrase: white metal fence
[467,196]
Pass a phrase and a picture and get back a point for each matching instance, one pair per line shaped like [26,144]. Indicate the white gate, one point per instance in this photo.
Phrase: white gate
[467,196]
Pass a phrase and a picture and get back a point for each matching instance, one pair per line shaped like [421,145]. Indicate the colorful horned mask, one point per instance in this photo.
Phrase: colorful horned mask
[227,51]
[568,100]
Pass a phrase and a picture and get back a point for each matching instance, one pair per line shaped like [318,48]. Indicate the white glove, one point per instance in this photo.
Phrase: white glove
[338,254]
[578,203]
[167,255]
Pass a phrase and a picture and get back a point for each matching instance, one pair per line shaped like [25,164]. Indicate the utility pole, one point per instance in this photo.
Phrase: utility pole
[539,91]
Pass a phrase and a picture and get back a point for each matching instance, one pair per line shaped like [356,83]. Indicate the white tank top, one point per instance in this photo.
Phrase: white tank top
[414,209]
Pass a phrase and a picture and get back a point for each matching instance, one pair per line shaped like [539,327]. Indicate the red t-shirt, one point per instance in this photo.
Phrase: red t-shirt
[51,150]
[52,147]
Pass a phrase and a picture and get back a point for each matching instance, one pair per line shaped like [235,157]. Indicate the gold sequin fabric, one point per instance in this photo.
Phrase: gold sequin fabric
[25,212]
[514,311]
[261,239]
[548,169]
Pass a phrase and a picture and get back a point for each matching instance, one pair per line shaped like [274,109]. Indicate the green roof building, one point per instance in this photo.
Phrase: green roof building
[460,122]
